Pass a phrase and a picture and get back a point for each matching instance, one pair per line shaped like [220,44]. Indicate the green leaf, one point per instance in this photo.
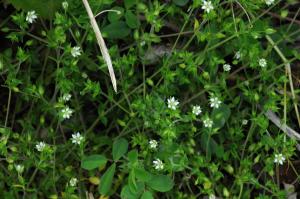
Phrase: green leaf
[180,2]
[147,195]
[120,147]
[127,194]
[142,175]
[220,116]
[129,3]
[133,156]
[132,20]
[114,16]
[93,161]
[116,30]
[44,8]
[106,180]
[160,183]
[210,146]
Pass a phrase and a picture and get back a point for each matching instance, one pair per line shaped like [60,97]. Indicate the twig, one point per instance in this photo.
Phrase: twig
[289,72]
[101,44]
[285,128]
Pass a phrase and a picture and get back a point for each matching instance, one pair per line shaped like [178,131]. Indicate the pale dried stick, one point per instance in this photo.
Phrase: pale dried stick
[289,72]
[101,44]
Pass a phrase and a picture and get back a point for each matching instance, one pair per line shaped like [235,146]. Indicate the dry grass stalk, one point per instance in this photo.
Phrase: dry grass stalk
[101,43]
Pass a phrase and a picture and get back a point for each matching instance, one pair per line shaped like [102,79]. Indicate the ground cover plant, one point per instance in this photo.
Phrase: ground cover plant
[206,103]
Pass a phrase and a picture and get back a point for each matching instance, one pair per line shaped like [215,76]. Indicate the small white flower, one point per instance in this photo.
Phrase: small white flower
[215,102]
[207,6]
[197,110]
[153,144]
[208,123]
[226,67]
[77,138]
[262,62]
[269,2]
[65,5]
[31,16]
[40,146]
[73,182]
[279,158]
[142,43]
[76,51]
[19,168]
[66,112]
[245,122]
[212,196]
[158,164]
[66,97]
[237,55]
[172,103]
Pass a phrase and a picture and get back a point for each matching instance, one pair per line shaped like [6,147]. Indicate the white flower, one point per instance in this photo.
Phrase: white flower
[66,97]
[19,168]
[279,158]
[76,51]
[77,138]
[40,146]
[207,6]
[31,16]
[237,55]
[262,62]
[142,43]
[158,164]
[215,102]
[153,144]
[226,67]
[197,110]
[73,182]
[245,122]
[172,103]
[212,196]
[66,112]
[269,2]
[208,123]
[65,5]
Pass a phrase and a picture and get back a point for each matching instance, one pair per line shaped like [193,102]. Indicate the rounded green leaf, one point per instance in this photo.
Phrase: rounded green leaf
[132,20]
[160,183]
[129,3]
[106,180]
[127,194]
[220,115]
[120,147]
[44,8]
[116,30]
[114,16]
[147,195]
[142,175]
[180,2]
[93,161]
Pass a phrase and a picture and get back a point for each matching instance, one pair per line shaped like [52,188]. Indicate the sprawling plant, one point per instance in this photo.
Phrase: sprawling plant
[206,103]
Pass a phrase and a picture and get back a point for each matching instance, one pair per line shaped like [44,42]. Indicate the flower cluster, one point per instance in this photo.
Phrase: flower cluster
[262,62]
[226,67]
[158,164]
[153,144]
